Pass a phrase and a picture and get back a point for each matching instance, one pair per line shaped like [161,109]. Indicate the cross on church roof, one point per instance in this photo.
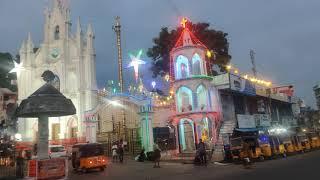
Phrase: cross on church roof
[184,22]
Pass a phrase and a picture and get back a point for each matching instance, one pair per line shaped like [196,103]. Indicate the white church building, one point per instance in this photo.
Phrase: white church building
[71,56]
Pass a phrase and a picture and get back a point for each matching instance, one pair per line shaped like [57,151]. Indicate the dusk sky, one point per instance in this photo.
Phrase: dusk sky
[285,34]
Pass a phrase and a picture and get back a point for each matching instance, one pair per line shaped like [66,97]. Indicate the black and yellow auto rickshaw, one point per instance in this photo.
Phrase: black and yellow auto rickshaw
[264,145]
[88,156]
[314,140]
[297,144]
[277,146]
[304,141]
[288,144]
[236,147]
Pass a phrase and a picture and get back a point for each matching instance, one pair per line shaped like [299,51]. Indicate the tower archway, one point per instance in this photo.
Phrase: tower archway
[182,68]
[186,135]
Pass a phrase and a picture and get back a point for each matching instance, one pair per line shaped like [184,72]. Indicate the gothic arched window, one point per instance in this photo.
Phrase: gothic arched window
[202,97]
[182,67]
[56,33]
[184,99]
[196,65]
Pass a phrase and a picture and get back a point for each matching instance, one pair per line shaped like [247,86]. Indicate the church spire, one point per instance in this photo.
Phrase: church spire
[79,30]
[29,43]
[89,30]
[23,46]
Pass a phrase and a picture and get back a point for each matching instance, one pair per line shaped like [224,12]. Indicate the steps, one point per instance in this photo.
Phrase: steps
[226,129]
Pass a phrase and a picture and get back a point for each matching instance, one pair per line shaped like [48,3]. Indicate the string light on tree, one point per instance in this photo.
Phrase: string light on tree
[135,62]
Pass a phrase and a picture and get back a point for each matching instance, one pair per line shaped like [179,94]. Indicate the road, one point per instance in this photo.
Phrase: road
[298,167]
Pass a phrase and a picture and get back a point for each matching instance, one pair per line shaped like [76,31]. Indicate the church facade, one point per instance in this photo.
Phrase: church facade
[71,57]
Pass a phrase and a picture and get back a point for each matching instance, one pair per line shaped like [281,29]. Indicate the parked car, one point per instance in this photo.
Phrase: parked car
[57,151]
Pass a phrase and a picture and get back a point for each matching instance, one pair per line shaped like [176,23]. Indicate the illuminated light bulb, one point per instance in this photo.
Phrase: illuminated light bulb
[153,84]
[228,67]
[209,54]
[236,71]
[245,76]
[167,77]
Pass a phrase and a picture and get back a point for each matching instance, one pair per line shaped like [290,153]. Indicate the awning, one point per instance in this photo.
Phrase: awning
[246,129]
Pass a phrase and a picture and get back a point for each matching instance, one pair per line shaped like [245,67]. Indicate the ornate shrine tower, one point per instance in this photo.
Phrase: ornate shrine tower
[197,104]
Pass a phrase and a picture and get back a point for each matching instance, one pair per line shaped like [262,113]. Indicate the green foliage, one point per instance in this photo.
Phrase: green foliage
[6,64]
[213,39]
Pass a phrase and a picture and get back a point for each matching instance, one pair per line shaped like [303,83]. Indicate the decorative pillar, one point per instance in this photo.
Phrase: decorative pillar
[146,128]
[43,129]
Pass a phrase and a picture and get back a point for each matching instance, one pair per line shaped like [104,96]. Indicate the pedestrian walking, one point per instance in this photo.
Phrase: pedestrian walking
[114,152]
[157,156]
[246,158]
[120,150]
[202,152]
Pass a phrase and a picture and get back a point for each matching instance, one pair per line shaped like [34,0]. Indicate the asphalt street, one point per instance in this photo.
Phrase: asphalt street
[299,167]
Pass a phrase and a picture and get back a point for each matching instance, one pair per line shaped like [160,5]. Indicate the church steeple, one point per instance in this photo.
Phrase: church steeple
[30,45]
[79,30]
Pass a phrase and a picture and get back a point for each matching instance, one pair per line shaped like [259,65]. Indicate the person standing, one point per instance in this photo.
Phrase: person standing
[114,152]
[120,151]
[202,152]
[157,156]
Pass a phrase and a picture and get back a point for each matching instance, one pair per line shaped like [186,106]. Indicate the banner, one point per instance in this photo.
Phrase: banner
[241,85]
[47,169]
[262,120]
[246,121]
[287,90]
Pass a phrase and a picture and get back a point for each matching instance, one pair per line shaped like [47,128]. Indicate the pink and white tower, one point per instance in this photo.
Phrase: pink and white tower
[197,104]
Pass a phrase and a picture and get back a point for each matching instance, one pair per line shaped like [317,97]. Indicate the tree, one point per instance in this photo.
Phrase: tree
[213,39]
[6,64]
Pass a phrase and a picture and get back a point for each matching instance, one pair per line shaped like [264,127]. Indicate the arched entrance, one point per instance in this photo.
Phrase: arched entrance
[186,135]
[72,127]
[204,129]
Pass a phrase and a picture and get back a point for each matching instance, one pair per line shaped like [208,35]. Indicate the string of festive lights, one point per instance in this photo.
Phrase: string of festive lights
[232,69]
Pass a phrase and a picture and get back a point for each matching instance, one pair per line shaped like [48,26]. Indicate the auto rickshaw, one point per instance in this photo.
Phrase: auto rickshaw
[304,142]
[314,140]
[277,146]
[88,156]
[288,144]
[236,148]
[264,145]
[297,144]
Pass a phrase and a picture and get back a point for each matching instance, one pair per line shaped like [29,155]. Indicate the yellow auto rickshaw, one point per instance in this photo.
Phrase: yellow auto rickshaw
[277,146]
[236,147]
[288,144]
[314,140]
[297,144]
[264,144]
[304,142]
[88,156]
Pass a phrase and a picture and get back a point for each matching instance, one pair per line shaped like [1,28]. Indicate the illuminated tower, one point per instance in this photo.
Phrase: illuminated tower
[197,104]
[117,29]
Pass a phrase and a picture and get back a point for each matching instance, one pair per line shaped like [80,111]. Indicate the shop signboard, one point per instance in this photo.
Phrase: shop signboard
[262,120]
[221,81]
[242,85]
[246,121]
